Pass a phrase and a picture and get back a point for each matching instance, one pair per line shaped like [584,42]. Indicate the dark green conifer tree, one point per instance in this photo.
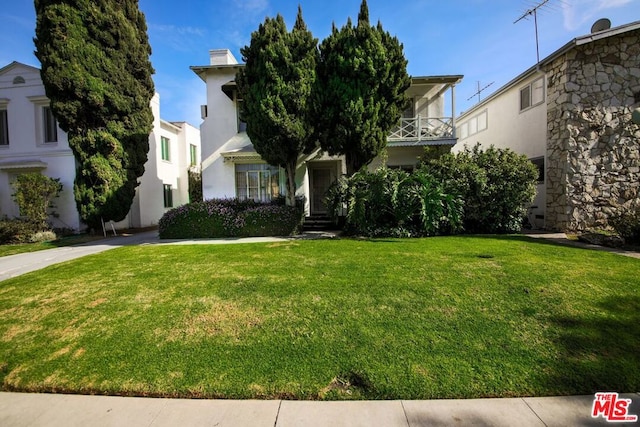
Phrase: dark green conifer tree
[360,90]
[275,86]
[95,66]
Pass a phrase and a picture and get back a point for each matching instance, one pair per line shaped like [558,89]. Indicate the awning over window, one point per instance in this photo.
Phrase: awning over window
[239,148]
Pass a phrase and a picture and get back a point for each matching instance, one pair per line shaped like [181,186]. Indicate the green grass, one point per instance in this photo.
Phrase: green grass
[454,317]
[21,248]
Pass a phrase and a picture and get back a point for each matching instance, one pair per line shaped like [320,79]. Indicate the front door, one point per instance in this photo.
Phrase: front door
[321,180]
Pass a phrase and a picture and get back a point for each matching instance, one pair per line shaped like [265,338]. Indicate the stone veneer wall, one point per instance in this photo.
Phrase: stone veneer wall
[593,148]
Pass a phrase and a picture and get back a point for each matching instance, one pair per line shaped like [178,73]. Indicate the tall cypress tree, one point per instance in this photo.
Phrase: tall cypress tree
[276,86]
[95,67]
[360,90]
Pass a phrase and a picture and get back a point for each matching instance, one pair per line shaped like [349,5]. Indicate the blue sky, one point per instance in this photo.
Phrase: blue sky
[476,38]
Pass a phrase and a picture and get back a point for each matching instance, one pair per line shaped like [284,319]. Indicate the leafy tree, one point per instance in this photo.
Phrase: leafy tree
[275,86]
[360,90]
[34,194]
[97,74]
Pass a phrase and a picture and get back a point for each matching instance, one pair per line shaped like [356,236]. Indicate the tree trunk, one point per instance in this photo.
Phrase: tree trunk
[290,171]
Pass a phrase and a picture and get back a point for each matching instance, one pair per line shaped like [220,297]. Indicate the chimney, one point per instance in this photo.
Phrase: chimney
[222,57]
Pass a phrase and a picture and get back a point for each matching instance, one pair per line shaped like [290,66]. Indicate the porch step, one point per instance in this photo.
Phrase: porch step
[318,223]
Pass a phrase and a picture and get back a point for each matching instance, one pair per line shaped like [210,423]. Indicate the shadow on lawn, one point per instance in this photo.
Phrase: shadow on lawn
[598,351]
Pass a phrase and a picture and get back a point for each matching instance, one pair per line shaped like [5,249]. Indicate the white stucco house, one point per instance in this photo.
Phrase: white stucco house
[30,140]
[571,116]
[231,167]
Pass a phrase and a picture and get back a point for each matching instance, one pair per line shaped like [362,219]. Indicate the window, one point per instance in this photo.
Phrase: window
[18,80]
[242,125]
[165,147]
[50,125]
[476,124]
[4,128]
[168,195]
[539,163]
[463,130]
[193,154]
[532,94]
[260,182]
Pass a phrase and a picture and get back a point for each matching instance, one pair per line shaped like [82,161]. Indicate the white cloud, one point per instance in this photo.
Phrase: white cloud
[578,12]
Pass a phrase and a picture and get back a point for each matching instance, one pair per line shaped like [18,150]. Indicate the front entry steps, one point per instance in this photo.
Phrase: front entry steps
[318,223]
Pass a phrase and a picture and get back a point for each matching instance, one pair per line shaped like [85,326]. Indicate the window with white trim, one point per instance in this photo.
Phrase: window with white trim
[193,155]
[474,125]
[532,94]
[50,126]
[165,148]
[167,195]
[4,128]
[260,182]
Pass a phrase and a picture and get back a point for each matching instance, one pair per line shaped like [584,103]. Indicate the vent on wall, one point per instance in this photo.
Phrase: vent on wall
[203,111]
[600,25]
[18,80]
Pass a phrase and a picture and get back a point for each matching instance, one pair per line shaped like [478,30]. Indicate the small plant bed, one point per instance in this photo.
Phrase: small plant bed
[443,317]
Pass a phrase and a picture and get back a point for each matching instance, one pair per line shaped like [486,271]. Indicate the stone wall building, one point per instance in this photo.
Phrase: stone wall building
[571,115]
[593,147]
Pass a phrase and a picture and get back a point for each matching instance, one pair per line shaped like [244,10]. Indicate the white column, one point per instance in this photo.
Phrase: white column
[453,109]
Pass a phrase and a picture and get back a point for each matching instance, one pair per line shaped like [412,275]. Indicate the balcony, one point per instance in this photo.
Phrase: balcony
[423,130]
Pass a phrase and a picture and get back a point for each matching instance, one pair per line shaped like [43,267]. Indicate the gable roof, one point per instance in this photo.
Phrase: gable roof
[578,41]
[16,64]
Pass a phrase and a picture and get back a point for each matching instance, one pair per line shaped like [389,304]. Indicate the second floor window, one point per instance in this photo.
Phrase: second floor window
[193,154]
[242,125]
[532,94]
[4,128]
[165,148]
[50,125]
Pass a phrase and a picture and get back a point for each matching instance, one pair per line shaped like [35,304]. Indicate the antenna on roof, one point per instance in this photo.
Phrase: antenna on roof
[533,11]
[479,91]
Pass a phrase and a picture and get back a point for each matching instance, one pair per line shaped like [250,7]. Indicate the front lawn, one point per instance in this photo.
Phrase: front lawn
[20,248]
[451,317]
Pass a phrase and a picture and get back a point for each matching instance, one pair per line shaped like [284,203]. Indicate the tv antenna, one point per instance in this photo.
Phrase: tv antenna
[533,11]
[479,91]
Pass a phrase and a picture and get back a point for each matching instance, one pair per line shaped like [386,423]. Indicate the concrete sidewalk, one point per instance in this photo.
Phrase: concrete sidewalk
[53,410]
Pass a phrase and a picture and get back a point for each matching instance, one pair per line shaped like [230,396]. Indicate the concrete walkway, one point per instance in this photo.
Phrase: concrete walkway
[53,410]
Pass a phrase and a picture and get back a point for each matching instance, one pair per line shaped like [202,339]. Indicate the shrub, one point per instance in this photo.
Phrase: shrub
[229,218]
[627,224]
[34,193]
[391,202]
[42,236]
[496,186]
[17,230]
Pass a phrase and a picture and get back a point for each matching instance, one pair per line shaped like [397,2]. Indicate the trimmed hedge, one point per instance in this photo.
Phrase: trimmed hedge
[230,218]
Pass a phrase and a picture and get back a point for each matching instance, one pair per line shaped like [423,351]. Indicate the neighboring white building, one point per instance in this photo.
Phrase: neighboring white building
[232,168]
[30,140]
[515,117]
[571,115]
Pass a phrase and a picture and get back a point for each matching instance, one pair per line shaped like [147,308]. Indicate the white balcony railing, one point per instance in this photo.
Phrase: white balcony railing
[423,129]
